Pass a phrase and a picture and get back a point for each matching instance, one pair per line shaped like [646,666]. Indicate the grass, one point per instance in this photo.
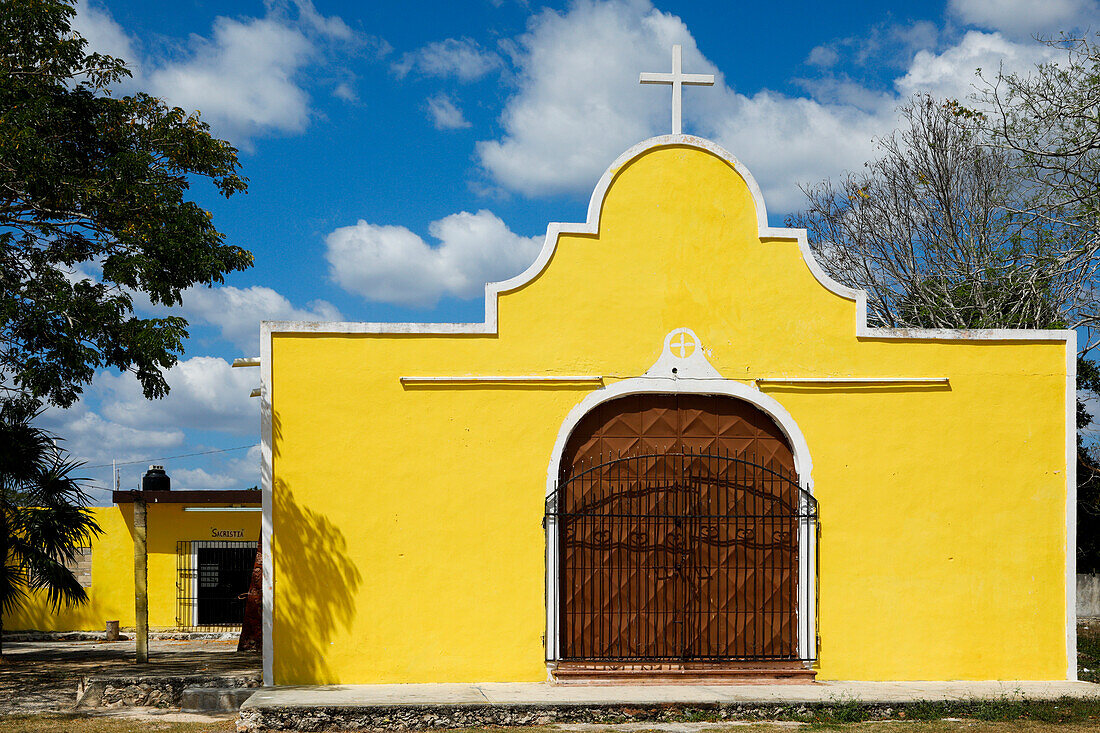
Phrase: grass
[969,726]
[88,724]
[1088,650]
[1065,711]
[879,726]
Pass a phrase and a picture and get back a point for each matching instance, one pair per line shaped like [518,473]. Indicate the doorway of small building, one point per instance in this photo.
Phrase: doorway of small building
[682,537]
[212,583]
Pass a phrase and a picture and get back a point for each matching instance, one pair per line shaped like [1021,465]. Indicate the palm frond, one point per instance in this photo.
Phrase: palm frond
[13,587]
[43,514]
[61,586]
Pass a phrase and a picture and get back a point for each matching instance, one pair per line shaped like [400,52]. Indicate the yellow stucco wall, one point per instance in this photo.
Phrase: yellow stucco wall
[111,595]
[408,545]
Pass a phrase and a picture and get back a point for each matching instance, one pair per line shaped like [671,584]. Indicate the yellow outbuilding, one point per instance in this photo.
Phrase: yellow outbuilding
[201,548]
[674,447]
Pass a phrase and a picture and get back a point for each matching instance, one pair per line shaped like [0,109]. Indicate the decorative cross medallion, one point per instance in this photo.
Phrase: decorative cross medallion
[682,345]
[677,79]
[682,357]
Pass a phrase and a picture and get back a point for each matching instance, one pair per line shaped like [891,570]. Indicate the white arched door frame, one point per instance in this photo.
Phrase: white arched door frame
[807,591]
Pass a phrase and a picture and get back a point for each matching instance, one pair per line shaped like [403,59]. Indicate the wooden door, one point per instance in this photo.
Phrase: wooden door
[678,525]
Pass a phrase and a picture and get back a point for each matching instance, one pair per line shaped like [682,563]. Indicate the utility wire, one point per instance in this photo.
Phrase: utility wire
[169,458]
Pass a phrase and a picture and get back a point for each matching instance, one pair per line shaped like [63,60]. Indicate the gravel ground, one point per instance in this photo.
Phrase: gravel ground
[43,676]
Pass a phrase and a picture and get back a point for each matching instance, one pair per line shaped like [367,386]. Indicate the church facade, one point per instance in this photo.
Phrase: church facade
[674,446]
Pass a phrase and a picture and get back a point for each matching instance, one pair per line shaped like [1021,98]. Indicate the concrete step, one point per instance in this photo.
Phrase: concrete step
[404,707]
[214,699]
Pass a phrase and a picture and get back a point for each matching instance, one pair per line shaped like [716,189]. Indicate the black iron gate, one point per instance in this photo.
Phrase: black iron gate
[681,557]
[212,581]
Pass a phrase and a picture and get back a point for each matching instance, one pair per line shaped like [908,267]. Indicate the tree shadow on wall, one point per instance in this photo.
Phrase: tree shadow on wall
[315,586]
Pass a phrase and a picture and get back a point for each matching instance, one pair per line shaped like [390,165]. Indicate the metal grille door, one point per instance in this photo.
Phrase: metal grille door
[212,582]
[670,552]
[680,557]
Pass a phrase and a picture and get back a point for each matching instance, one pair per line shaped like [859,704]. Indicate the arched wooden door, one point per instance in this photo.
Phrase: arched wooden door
[678,520]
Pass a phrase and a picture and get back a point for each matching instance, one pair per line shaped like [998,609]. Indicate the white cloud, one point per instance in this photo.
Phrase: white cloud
[394,265]
[824,56]
[1022,18]
[244,468]
[564,125]
[346,92]
[331,26]
[884,45]
[103,34]
[445,115]
[242,79]
[785,140]
[206,394]
[199,479]
[461,58]
[246,78]
[150,432]
[951,73]
[237,312]
[89,436]
[242,472]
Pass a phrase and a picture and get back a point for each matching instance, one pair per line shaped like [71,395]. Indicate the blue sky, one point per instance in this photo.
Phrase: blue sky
[401,154]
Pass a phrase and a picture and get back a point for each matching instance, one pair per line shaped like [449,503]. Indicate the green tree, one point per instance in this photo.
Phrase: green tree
[43,514]
[953,227]
[93,210]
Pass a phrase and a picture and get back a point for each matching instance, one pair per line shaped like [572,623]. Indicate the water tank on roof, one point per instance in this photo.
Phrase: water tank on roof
[155,479]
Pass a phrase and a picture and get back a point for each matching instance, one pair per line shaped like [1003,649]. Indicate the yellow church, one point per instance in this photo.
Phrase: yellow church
[674,450]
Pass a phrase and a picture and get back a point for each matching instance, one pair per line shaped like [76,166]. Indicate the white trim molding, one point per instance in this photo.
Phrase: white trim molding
[901,381]
[503,379]
[590,226]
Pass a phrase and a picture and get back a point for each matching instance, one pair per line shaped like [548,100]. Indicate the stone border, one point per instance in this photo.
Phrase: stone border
[158,692]
[253,718]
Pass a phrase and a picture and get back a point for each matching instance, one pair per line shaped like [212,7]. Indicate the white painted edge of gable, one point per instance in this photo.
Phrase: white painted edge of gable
[266,523]
[591,226]
[1071,506]
[595,207]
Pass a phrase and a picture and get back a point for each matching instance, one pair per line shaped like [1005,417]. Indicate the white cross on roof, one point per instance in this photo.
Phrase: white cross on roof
[677,79]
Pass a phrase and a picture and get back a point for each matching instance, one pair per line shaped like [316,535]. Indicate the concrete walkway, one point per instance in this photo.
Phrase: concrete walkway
[490,693]
[401,707]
